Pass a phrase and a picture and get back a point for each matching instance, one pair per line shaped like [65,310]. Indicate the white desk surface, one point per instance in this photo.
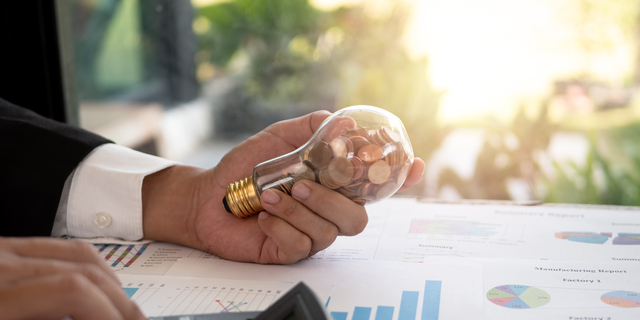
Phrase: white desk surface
[419,260]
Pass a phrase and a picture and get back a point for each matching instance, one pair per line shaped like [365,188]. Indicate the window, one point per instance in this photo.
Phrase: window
[534,100]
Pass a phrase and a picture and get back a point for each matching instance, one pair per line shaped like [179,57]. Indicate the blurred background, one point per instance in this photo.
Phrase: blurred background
[507,100]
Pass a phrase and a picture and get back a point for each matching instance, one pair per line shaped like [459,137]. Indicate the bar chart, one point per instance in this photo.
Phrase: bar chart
[410,307]
[115,254]
[454,227]
[141,258]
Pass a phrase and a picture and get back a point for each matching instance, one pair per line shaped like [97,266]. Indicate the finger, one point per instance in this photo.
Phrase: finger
[60,249]
[56,296]
[28,268]
[350,217]
[415,174]
[321,231]
[277,139]
[297,131]
[284,243]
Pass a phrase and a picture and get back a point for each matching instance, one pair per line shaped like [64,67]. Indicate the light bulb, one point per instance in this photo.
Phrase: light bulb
[362,152]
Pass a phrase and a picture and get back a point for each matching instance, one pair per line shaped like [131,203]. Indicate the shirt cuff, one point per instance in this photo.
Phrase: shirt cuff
[105,195]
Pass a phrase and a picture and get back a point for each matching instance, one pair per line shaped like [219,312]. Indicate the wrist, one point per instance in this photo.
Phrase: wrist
[169,202]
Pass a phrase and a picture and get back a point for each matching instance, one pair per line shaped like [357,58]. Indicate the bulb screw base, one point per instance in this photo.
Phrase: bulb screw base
[242,199]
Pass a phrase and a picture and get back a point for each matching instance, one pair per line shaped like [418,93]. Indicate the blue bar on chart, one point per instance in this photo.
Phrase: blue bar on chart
[431,300]
[408,305]
[130,291]
[361,313]
[384,313]
[339,315]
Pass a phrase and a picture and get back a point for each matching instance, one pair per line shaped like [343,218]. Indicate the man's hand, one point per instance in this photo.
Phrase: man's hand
[42,278]
[184,204]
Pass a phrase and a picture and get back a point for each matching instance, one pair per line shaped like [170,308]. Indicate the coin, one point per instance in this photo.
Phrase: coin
[359,200]
[347,193]
[304,172]
[359,167]
[320,155]
[326,180]
[394,154]
[379,172]
[341,146]
[362,131]
[309,164]
[284,183]
[389,135]
[366,189]
[338,126]
[370,153]
[374,137]
[341,170]
[359,142]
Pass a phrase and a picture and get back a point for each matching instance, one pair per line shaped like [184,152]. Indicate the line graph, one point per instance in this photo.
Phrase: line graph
[167,296]
[231,306]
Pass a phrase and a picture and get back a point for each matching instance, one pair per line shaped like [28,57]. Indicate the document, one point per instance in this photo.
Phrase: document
[418,261]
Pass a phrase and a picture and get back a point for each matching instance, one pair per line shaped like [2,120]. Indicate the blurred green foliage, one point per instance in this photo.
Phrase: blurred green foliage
[303,59]
[610,175]
[284,58]
[508,152]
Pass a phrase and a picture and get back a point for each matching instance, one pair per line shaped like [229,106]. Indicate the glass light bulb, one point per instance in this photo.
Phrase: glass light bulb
[362,152]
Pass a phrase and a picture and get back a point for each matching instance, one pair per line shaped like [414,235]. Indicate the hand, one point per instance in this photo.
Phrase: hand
[184,204]
[65,278]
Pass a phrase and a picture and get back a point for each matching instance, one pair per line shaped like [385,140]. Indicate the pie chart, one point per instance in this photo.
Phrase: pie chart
[622,299]
[518,296]
[627,239]
[585,237]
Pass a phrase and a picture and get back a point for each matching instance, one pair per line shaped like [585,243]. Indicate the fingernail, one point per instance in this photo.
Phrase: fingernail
[300,191]
[263,215]
[270,197]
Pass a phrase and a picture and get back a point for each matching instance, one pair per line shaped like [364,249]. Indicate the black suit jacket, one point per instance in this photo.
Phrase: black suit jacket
[36,157]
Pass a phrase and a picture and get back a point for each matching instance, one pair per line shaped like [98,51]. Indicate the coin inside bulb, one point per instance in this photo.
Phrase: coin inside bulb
[341,170]
[370,153]
[341,146]
[320,155]
[379,172]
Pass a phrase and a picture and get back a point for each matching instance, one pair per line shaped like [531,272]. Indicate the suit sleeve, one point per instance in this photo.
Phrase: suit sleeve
[36,157]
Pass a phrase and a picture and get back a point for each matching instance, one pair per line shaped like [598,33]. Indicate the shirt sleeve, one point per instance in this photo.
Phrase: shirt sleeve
[103,196]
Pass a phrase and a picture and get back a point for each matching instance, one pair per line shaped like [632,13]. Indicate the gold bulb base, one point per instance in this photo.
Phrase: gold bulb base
[243,199]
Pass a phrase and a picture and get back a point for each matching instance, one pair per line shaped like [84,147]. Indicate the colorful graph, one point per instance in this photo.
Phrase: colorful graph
[231,306]
[622,299]
[627,239]
[585,237]
[453,227]
[408,309]
[115,254]
[518,296]
[175,296]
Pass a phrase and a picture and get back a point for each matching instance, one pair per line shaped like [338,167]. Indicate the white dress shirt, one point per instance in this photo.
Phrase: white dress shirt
[103,196]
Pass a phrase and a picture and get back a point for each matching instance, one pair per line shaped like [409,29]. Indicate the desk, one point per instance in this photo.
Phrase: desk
[420,261]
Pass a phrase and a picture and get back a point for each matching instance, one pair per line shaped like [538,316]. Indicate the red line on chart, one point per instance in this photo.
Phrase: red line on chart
[231,304]
[223,307]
